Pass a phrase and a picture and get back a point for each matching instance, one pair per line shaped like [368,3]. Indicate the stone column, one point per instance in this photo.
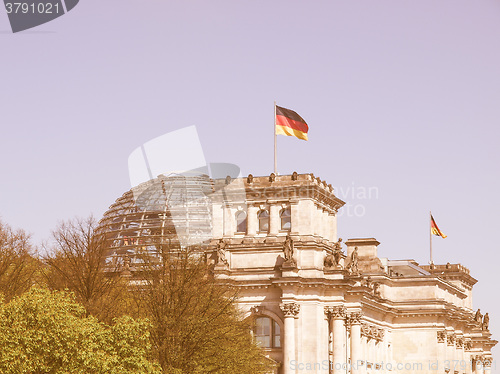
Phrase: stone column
[228,221]
[450,351]
[356,349]
[274,219]
[479,365]
[441,349]
[290,311]
[487,365]
[252,222]
[460,352]
[467,356]
[337,315]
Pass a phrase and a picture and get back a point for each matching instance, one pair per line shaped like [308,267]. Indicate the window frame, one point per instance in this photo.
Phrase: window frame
[289,219]
[245,222]
[275,331]
[259,219]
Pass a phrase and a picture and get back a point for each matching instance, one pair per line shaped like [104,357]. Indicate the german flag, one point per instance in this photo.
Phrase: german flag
[290,123]
[435,229]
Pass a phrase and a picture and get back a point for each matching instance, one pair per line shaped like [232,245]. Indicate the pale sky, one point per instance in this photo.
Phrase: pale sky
[401,97]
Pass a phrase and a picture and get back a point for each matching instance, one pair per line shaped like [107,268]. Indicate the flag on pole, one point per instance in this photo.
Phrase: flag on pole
[435,229]
[289,123]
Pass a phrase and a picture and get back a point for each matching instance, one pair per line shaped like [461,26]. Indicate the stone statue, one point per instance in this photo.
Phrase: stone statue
[221,252]
[337,251]
[486,322]
[368,282]
[288,249]
[333,259]
[353,263]
[329,261]
[126,263]
[478,317]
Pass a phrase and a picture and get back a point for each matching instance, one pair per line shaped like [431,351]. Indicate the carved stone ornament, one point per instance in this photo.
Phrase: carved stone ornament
[381,334]
[477,358]
[221,252]
[365,330]
[450,339]
[467,344]
[272,177]
[258,309]
[487,362]
[290,309]
[441,336]
[335,312]
[295,176]
[372,332]
[459,342]
[355,317]
[250,178]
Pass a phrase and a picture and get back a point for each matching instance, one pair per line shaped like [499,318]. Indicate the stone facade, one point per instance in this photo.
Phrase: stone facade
[319,310]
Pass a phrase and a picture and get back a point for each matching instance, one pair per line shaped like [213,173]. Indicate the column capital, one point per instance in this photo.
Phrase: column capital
[441,336]
[290,309]
[468,344]
[355,318]
[477,358]
[335,312]
[451,338]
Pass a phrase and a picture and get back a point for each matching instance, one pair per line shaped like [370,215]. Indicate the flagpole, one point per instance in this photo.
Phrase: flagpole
[275,144]
[430,234]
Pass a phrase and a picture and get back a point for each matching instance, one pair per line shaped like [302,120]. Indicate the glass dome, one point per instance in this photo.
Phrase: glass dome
[171,213]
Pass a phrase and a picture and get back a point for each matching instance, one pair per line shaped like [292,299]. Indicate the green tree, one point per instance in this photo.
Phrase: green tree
[18,266]
[44,332]
[196,325]
[76,260]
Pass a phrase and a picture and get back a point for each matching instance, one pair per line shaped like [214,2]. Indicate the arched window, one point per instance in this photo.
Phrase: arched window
[267,333]
[241,221]
[263,216]
[286,219]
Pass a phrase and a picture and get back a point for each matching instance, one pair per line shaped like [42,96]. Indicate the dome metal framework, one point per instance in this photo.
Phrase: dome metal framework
[169,213]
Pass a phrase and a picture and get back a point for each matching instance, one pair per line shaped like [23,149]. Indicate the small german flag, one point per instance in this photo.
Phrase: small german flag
[289,123]
[435,229]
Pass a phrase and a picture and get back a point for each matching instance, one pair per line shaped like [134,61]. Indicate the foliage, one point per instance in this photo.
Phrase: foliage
[196,326]
[47,332]
[77,261]
[18,267]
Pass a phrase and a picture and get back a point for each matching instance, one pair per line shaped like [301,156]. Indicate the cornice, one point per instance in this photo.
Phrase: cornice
[284,188]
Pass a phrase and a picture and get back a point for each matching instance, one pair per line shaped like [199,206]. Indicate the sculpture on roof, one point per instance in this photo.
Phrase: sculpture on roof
[288,248]
[333,259]
[478,317]
[486,322]
[353,263]
[337,251]
[221,252]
